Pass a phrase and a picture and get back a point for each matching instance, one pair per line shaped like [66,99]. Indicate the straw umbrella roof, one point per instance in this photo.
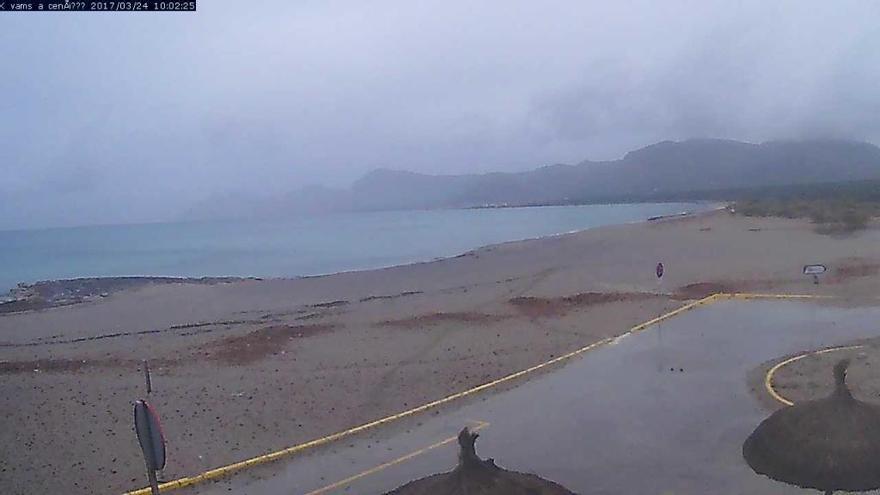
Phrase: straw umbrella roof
[474,476]
[826,444]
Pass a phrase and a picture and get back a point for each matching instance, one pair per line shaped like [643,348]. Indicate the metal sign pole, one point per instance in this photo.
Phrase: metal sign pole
[154,483]
[814,270]
[147,379]
[659,272]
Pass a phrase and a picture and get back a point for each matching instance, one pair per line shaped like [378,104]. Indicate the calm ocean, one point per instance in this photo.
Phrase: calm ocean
[287,248]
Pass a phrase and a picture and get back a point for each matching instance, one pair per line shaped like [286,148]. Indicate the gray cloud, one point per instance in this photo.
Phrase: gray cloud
[147,114]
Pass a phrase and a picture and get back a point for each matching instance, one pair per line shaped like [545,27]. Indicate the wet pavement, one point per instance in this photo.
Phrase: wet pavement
[664,411]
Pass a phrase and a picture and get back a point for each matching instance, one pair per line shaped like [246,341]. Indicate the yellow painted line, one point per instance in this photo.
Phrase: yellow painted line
[224,471]
[746,295]
[687,307]
[480,425]
[768,379]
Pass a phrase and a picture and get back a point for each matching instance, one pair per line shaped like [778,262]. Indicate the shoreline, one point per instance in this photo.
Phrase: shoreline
[50,293]
[657,219]
[45,294]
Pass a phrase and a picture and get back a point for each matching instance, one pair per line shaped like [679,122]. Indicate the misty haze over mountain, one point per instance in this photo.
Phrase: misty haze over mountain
[658,172]
[137,118]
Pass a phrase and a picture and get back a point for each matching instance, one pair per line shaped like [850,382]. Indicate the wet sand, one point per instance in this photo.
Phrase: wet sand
[245,367]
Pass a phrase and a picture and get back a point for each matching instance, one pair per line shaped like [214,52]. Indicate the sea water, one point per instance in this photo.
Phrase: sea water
[293,247]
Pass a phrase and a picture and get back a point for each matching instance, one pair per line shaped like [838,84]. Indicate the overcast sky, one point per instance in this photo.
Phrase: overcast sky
[111,118]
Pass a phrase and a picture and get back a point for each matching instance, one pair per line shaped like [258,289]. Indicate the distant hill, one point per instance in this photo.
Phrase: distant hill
[669,170]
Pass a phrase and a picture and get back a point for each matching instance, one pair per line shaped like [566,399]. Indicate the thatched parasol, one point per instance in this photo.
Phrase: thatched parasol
[474,476]
[826,444]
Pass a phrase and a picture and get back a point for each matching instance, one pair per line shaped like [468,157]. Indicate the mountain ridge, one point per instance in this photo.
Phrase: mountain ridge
[657,171]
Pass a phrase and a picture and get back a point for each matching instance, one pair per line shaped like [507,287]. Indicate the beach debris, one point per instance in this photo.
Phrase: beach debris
[475,476]
[827,444]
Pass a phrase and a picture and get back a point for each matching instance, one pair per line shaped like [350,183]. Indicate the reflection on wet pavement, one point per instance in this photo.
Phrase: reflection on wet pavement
[663,411]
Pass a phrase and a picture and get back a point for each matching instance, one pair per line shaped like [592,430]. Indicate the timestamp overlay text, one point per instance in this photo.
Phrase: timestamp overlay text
[97,6]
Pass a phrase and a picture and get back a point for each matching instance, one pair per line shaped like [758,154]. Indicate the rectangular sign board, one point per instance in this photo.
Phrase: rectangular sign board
[814,269]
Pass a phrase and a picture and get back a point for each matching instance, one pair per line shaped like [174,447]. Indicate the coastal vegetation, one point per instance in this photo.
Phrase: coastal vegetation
[834,208]
[830,216]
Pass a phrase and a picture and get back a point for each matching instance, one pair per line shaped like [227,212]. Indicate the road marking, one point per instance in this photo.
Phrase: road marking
[746,295]
[227,470]
[479,426]
[686,307]
[768,378]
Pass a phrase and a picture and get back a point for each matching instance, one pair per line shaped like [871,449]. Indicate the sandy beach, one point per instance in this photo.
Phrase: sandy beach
[244,367]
